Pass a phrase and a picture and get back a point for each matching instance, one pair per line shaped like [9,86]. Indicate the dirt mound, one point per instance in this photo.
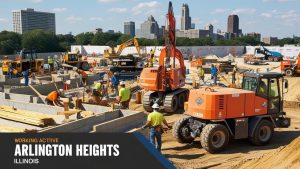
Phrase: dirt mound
[287,158]
[293,92]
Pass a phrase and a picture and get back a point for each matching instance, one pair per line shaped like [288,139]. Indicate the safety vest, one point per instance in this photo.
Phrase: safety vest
[200,72]
[50,61]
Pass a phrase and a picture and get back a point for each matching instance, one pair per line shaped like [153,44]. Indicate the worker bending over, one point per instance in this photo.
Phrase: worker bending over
[84,77]
[53,98]
[124,96]
[154,122]
[98,92]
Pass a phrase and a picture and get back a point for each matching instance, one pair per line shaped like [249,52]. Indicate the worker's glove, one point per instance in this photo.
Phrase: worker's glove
[144,127]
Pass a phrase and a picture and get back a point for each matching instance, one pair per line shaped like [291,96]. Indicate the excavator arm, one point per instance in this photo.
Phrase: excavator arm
[130,42]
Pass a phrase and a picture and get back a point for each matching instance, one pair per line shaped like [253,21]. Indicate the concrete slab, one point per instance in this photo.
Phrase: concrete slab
[122,124]
[83,125]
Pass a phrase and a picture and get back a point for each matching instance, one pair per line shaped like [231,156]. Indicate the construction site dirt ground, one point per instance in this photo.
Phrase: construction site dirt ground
[194,156]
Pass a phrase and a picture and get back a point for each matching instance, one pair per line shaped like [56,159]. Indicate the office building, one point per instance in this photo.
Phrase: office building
[149,29]
[255,35]
[28,20]
[186,21]
[270,40]
[129,28]
[233,25]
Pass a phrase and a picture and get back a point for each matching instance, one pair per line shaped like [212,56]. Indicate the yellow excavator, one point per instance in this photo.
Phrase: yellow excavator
[112,54]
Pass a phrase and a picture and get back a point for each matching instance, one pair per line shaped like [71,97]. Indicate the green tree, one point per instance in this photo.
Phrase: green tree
[123,38]
[42,41]
[10,42]
[84,38]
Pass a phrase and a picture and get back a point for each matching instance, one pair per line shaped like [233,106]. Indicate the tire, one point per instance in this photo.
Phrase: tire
[263,133]
[181,131]
[181,100]
[78,65]
[289,72]
[214,137]
[172,106]
[85,66]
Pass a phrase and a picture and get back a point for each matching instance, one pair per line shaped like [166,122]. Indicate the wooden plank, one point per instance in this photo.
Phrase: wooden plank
[33,118]
[38,93]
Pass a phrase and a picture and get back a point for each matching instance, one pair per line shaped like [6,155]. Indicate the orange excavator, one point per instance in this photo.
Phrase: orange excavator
[164,83]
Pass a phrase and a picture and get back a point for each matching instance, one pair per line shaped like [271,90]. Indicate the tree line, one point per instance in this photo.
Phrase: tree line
[43,41]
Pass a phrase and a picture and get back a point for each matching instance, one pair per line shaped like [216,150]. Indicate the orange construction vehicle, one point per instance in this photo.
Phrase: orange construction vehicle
[290,69]
[219,114]
[163,83]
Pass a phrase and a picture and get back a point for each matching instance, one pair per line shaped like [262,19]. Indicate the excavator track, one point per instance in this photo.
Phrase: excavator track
[171,103]
[148,100]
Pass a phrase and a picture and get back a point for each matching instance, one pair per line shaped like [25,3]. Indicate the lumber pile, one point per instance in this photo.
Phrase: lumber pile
[8,129]
[28,117]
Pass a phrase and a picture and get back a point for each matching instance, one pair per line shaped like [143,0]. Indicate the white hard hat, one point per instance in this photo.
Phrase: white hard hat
[61,90]
[155,106]
[122,83]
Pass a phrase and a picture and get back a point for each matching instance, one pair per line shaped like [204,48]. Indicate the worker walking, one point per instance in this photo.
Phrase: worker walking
[154,122]
[124,96]
[98,91]
[200,73]
[115,83]
[53,98]
[214,72]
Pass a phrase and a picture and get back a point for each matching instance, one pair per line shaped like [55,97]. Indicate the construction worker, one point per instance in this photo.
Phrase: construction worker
[115,83]
[10,71]
[53,98]
[97,92]
[154,122]
[50,62]
[152,52]
[83,77]
[233,74]
[214,73]
[26,76]
[200,72]
[124,96]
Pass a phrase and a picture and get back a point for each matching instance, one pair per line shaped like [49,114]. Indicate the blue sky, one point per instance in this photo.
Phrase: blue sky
[279,18]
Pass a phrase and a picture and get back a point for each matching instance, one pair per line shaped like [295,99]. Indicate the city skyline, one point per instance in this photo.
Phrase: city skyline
[269,17]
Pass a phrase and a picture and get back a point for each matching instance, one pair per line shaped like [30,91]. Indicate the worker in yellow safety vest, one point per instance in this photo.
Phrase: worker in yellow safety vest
[200,72]
[154,122]
[124,96]
[50,62]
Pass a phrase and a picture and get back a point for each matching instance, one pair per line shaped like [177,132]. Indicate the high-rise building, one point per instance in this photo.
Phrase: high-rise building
[129,28]
[210,28]
[149,29]
[233,25]
[193,26]
[28,20]
[186,21]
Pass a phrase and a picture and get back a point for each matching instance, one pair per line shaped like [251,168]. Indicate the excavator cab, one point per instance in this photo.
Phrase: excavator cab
[270,86]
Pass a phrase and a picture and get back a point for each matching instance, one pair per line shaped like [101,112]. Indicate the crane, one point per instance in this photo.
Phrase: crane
[164,83]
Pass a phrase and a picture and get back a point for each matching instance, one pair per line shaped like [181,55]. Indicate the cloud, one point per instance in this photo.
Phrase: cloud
[73,19]
[96,19]
[244,11]
[107,1]
[267,15]
[59,9]
[3,20]
[118,10]
[219,11]
[150,7]
[36,1]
